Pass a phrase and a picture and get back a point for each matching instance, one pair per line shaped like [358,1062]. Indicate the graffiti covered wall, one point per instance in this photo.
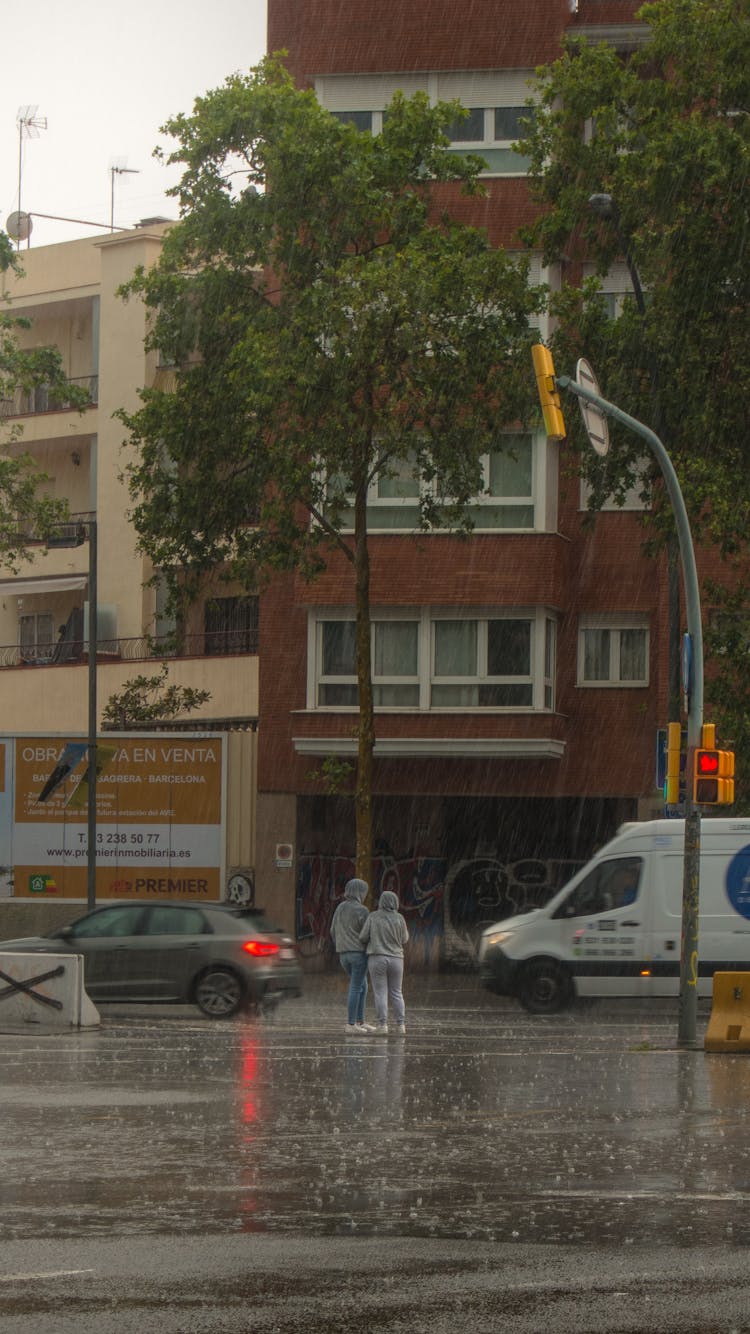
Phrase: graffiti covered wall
[446,907]
[456,864]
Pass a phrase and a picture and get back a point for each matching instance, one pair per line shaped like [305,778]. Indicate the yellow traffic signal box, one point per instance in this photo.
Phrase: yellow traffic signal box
[673,757]
[544,368]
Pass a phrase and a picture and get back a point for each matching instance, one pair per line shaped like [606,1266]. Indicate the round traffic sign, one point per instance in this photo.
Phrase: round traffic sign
[594,419]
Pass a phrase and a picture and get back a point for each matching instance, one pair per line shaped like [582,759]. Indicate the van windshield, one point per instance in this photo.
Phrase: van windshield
[608,885]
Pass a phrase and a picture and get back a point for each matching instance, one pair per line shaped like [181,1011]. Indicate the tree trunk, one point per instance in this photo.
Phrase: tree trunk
[366,722]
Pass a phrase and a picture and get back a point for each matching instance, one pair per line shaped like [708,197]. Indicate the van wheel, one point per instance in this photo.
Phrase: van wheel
[546,987]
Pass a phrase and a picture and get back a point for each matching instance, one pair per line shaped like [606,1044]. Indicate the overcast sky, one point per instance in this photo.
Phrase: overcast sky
[106,77]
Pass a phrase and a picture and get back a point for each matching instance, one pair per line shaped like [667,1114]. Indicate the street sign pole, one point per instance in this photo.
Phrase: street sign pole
[688,1009]
[92,718]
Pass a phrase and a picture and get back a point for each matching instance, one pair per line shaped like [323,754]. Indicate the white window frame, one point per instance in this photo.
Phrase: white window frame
[485,90]
[615,624]
[481,677]
[543,479]
[542,655]
[316,677]
[536,499]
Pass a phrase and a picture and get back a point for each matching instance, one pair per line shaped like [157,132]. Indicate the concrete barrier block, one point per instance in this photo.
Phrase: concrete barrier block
[729,1022]
[46,990]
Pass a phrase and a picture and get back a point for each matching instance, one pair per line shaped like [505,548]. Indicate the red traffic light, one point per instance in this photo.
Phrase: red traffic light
[713,777]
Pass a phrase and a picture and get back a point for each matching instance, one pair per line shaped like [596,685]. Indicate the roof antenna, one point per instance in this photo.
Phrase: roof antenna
[118,167]
[29,124]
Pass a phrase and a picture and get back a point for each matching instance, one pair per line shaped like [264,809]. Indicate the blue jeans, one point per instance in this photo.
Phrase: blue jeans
[354,962]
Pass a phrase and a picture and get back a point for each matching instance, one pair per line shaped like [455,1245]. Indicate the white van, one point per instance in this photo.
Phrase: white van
[615,928]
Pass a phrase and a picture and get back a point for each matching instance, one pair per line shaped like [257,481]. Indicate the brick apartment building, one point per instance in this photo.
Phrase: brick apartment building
[526,666]
[487,786]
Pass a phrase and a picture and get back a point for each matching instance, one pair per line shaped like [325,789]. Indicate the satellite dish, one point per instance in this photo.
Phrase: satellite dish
[18,226]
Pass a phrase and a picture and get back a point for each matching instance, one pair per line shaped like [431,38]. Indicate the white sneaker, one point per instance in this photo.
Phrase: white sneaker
[401,1028]
[365,1028]
[381,1029]
[352,1030]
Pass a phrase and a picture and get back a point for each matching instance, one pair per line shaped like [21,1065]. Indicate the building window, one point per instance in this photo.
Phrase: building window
[612,652]
[495,100]
[231,625]
[36,636]
[488,131]
[425,660]
[491,132]
[468,129]
[512,491]
[337,667]
[512,122]
[482,664]
[507,498]
[394,664]
[361,120]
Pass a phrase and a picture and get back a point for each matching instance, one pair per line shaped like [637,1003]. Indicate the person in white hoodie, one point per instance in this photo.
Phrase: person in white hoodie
[385,933]
[346,925]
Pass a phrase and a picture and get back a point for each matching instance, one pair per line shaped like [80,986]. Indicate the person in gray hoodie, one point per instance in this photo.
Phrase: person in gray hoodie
[348,920]
[385,933]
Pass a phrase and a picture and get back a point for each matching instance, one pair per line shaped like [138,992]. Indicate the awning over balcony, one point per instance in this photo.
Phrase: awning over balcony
[61,583]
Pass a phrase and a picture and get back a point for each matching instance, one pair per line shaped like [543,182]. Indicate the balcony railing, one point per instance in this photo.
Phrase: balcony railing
[70,533]
[41,399]
[141,649]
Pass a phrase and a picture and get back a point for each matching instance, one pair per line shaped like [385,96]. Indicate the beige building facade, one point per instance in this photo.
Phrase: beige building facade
[69,294]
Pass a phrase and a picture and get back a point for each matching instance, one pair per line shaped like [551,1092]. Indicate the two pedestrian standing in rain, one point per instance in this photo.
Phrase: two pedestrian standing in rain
[384,934]
[348,920]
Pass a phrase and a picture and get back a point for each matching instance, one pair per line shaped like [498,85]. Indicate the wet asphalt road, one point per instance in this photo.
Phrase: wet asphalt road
[489,1171]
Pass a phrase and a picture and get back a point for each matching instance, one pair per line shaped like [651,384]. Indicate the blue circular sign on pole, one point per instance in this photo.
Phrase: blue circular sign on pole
[738,882]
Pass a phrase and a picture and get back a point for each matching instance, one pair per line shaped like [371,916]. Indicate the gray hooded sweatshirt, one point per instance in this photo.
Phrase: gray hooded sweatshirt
[349,918]
[385,930]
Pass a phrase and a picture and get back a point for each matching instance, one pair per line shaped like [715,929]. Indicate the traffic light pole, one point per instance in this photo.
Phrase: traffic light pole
[693,687]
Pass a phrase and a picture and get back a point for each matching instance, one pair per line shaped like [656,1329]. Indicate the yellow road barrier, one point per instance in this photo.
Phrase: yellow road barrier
[729,1023]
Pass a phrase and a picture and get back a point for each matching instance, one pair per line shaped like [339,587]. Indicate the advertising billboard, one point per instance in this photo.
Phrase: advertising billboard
[159,809]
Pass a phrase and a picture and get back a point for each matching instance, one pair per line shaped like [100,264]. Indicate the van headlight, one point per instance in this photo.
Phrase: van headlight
[494,938]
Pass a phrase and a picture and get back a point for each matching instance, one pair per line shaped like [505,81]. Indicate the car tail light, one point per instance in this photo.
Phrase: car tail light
[260,949]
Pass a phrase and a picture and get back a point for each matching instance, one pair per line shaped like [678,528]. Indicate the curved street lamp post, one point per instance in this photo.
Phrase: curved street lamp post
[694,689]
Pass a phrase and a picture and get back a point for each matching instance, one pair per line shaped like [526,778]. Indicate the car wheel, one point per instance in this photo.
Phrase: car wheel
[219,993]
[546,987]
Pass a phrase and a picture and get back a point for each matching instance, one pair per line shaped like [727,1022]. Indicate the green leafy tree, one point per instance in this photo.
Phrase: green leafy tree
[24,513]
[330,326]
[666,135]
[147,699]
